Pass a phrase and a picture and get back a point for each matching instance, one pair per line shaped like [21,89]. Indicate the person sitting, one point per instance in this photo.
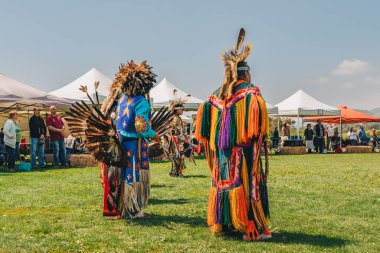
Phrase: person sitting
[373,139]
[285,133]
[363,139]
[351,135]
[70,142]
[309,133]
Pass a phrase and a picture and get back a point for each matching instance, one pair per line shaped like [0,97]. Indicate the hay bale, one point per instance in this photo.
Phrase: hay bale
[293,150]
[358,149]
[83,160]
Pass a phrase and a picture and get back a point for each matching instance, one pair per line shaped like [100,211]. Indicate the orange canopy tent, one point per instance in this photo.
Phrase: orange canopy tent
[349,116]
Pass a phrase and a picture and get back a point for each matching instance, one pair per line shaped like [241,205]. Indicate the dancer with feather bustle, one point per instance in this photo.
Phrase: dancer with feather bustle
[117,134]
[233,125]
[178,140]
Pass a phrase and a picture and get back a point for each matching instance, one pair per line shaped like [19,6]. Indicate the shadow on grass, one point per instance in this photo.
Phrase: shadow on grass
[287,237]
[161,186]
[160,161]
[167,220]
[168,201]
[196,176]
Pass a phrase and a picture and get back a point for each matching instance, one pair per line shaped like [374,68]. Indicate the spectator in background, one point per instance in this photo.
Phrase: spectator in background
[351,135]
[56,128]
[70,144]
[363,139]
[319,136]
[286,130]
[309,133]
[332,136]
[18,139]
[10,138]
[2,135]
[373,139]
[275,137]
[37,138]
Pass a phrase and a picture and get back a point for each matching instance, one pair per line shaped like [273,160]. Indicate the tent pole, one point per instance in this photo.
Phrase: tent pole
[298,125]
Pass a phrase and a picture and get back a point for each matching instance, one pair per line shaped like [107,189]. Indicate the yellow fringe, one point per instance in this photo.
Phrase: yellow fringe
[216,228]
[240,121]
[211,206]
[213,124]
[264,115]
[253,118]
[238,208]
[199,124]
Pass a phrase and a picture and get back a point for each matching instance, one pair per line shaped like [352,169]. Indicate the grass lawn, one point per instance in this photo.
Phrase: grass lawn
[318,203]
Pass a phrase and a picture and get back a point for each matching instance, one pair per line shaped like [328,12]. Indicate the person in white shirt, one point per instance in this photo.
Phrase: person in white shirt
[69,144]
[10,129]
[351,135]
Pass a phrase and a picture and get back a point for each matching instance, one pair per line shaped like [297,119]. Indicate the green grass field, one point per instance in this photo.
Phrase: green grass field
[318,203]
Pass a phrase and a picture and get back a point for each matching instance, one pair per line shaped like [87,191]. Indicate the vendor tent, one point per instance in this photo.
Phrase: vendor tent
[71,90]
[349,116]
[272,110]
[15,95]
[163,94]
[301,104]
[12,90]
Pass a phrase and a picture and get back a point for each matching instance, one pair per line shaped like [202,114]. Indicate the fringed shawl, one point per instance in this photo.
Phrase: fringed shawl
[226,123]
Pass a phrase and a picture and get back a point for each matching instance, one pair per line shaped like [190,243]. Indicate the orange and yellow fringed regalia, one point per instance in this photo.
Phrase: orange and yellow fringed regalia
[234,131]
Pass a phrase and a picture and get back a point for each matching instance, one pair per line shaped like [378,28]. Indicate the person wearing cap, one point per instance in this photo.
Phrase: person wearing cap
[37,138]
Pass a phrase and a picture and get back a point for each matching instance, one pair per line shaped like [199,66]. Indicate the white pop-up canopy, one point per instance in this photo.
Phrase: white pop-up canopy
[163,94]
[272,110]
[71,90]
[301,104]
[12,90]
[15,95]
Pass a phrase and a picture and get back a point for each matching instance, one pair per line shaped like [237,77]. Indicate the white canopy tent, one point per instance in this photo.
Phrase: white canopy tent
[301,104]
[272,110]
[71,90]
[12,90]
[162,94]
[19,96]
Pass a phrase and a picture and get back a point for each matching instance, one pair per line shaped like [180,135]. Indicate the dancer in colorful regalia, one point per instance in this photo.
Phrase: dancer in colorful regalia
[178,140]
[233,125]
[117,134]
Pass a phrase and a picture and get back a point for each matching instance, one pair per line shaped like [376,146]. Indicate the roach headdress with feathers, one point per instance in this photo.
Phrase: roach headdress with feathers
[177,102]
[131,79]
[232,58]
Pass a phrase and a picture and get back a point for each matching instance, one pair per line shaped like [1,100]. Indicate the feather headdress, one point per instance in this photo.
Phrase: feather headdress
[131,79]
[231,58]
[177,102]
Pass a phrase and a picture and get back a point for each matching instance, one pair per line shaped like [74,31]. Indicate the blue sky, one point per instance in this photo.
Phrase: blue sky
[330,49]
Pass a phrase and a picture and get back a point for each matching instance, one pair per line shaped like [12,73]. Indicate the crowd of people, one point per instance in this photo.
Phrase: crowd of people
[10,137]
[325,137]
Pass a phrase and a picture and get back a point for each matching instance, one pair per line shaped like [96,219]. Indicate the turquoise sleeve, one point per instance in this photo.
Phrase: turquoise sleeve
[142,120]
